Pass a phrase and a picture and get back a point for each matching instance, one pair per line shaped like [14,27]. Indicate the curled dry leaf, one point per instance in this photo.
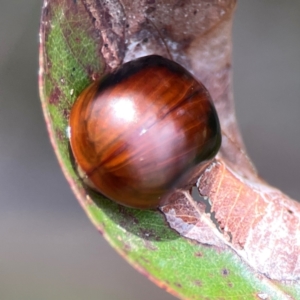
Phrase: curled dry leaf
[256,220]
[242,216]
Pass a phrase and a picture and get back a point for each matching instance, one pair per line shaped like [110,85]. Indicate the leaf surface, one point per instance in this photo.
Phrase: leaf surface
[214,250]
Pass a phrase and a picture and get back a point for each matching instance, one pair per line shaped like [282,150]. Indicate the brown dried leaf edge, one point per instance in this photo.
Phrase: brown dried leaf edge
[256,220]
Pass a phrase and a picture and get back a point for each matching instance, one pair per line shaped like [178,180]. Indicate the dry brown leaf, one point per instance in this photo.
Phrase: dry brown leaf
[256,220]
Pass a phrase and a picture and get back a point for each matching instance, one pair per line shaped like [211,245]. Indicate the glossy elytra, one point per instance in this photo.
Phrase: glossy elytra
[137,133]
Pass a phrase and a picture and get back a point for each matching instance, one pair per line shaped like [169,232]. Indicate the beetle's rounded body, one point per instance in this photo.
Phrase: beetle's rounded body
[136,133]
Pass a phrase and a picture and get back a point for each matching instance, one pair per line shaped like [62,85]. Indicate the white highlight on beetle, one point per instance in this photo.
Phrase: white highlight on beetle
[143,131]
[124,109]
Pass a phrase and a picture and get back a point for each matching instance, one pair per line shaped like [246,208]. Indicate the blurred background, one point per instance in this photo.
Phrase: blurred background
[48,247]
